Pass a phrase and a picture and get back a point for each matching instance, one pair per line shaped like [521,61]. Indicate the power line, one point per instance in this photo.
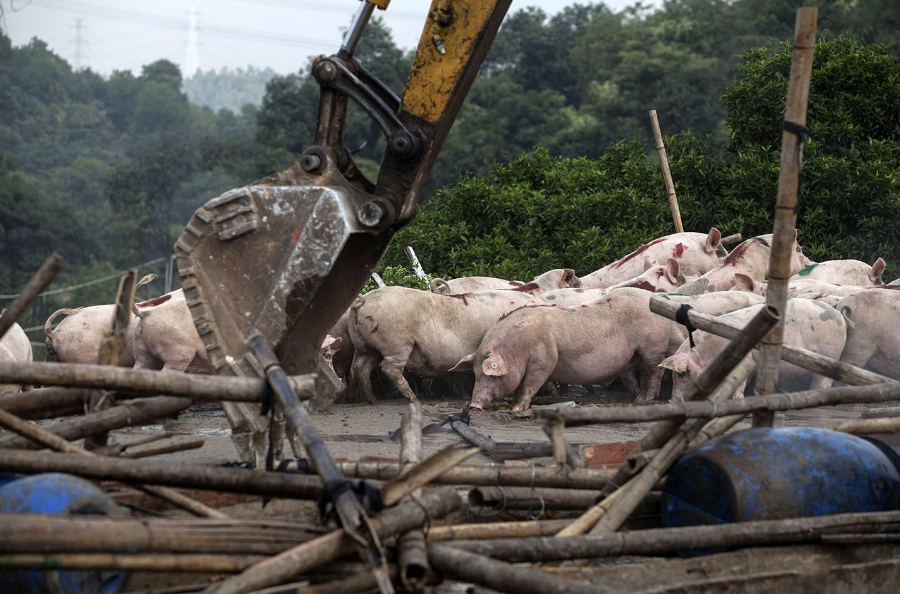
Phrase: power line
[90,283]
[329,7]
[163,22]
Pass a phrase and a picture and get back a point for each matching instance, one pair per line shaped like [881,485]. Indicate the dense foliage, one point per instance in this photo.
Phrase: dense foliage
[107,170]
[541,211]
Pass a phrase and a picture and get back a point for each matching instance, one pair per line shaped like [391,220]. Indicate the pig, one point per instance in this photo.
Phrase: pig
[696,253]
[15,347]
[750,258]
[342,358]
[165,337]
[873,340]
[422,332]
[714,304]
[570,297]
[657,278]
[559,278]
[844,272]
[799,289]
[894,283]
[592,343]
[77,338]
[809,324]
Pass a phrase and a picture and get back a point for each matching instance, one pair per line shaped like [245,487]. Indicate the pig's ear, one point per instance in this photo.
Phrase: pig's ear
[649,263]
[742,282]
[494,366]
[677,363]
[673,269]
[336,345]
[568,277]
[877,270]
[713,240]
[465,364]
[330,340]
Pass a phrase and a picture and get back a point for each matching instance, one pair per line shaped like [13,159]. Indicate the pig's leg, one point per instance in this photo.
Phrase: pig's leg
[631,383]
[392,366]
[535,377]
[858,352]
[361,377]
[651,375]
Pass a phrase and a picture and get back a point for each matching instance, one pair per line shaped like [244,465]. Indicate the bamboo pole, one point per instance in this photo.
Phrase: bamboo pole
[465,566]
[869,426]
[125,414]
[412,557]
[167,448]
[44,534]
[702,387]
[838,370]
[502,451]
[668,541]
[112,347]
[788,201]
[667,174]
[491,475]
[731,239]
[773,402]
[45,438]
[416,265]
[432,505]
[531,498]
[163,563]
[881,413]
[488,530]
[360,582]
[210,388]
[37,283]
[170,474]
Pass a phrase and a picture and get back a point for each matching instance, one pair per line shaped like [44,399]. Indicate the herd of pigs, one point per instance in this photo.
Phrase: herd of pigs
[517,337]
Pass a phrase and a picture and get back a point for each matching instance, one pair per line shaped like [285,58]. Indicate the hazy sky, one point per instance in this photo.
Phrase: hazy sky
[280,34]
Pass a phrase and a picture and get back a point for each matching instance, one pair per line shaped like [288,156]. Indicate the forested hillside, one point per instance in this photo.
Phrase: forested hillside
[107,170]
[227,88]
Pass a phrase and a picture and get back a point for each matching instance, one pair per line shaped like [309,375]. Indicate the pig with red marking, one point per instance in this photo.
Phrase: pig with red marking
[696,253]
[424,333]
[593,343]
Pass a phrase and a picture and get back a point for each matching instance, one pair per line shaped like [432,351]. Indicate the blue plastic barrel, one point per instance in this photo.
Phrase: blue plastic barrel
[57,494]
[778,473]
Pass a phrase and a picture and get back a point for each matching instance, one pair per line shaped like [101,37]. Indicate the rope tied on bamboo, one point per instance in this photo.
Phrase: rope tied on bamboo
[367,495]
[530,501]
[681,316]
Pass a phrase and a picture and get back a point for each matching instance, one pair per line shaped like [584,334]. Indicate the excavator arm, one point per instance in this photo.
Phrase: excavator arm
[286,255]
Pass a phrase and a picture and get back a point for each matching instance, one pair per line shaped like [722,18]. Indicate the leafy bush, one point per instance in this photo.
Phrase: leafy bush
[397,276]
[540,212]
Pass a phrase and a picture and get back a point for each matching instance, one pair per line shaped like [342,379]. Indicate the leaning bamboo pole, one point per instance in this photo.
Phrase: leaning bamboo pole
[412,557]
[667,174]
[838,370]
[37,283]
[702,387]
[787,202]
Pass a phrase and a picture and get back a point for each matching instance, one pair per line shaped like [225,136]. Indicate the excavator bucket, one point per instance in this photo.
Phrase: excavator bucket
[286,255]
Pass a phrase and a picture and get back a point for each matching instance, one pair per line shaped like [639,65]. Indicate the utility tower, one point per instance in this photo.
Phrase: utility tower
[192,61]
[80,57]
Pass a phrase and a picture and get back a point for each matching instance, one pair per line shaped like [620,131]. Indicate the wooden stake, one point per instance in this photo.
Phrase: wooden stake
[417,266]
[667,175]
[378,281]
[788,201]
[731,239]
[167,448]
[35,285]
[411,555]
